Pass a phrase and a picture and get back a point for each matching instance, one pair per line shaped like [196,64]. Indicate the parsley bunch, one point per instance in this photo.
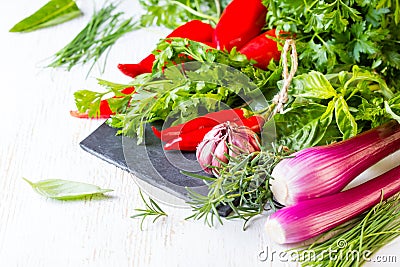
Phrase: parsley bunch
[334,35]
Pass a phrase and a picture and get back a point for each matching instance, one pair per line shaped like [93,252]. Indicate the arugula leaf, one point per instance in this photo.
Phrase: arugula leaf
[65,190]
[53,13]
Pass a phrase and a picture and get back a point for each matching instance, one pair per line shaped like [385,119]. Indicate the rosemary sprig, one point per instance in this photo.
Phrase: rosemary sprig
[98,36]
[151,209]
[358,240]
[242,183]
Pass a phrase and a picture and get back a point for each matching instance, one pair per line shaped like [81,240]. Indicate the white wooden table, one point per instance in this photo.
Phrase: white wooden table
[40,140]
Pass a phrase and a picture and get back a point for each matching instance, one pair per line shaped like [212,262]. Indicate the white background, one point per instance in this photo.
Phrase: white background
[40,140]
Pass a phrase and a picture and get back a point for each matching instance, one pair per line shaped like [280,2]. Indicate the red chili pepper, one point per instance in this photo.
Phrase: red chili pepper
[209,120]
[187,141]
[194,30]
[241,21]
[262,49]
[187,136]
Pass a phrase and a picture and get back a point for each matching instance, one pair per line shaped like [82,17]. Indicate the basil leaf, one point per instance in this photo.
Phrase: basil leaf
[65,190]
[303,126]
[53,13]
[312,85]
[344,119]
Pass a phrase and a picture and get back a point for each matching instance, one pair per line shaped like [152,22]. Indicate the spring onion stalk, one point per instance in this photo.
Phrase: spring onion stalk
[355,242]
[310,218]
[324,170]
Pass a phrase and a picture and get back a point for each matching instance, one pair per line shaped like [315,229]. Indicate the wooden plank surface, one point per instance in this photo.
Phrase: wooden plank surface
[39,140]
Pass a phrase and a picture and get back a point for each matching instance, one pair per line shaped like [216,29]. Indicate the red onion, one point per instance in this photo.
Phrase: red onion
[324,170]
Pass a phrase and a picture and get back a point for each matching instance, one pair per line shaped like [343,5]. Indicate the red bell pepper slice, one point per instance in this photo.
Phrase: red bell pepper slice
[187,141]
[241,21]
[187,136]
[262,49]
[209,120]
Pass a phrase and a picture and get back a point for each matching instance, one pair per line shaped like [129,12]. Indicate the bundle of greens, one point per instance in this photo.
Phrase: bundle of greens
[346,83]
[157,94]
[335,35]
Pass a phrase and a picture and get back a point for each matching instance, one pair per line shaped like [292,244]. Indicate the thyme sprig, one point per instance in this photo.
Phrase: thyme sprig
[151,209]
[242,183]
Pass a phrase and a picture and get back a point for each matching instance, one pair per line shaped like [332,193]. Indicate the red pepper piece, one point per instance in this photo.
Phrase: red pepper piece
[187,141]
[128,90]
[175,131]
[194,30]
[255,123]
[262,49]
[241,21]
[208,120]
[156,132]
[132,70]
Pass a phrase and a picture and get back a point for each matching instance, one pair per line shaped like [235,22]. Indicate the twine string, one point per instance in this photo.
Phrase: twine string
[282,97]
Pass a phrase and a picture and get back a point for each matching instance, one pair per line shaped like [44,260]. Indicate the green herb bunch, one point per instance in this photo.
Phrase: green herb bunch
[242,184]
[326,108]
[334,35]
[200,83]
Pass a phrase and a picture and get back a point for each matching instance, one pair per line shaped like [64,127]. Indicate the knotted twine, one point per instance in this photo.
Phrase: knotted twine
[282,97]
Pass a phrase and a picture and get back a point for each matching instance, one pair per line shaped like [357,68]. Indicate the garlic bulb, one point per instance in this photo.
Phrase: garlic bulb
[222,140]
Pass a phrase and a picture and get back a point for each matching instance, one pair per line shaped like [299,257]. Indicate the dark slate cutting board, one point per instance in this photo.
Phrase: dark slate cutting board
[149,162]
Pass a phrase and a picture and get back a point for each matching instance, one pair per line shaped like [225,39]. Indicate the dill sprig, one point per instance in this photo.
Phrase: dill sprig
[101,32]
[242,183]
[358,239]
[151,209]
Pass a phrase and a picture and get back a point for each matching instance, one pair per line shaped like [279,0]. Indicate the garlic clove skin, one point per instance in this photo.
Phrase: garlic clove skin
[204,154]
[222,140]
[219,154]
